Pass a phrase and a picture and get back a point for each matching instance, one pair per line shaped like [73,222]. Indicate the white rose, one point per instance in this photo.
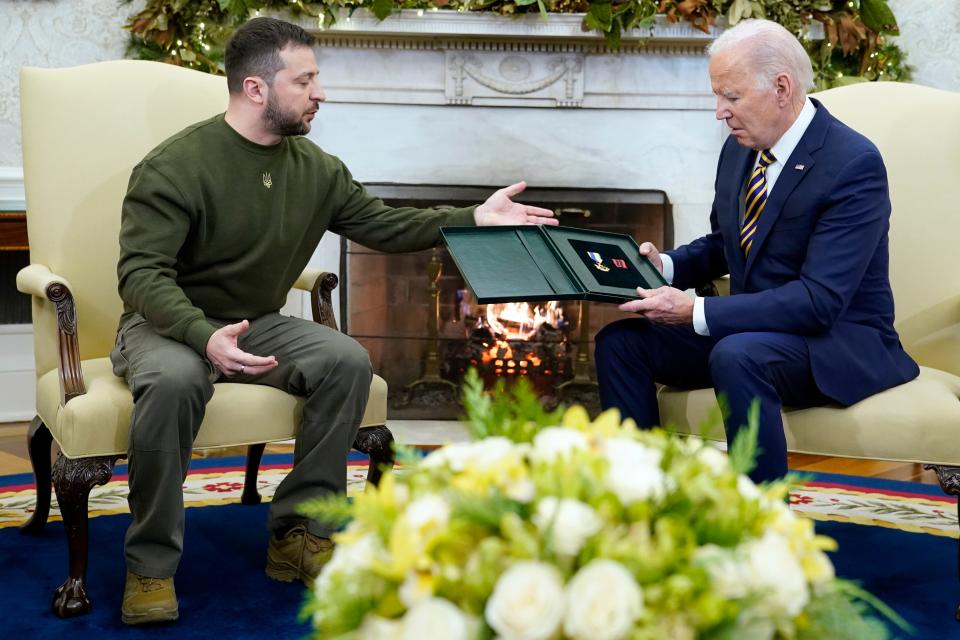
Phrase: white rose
[569,523]
[753,626]
[775,574]
[435,618]
[484,454]
[603,602]
[728,572]
[348,559]
[376,628]
[527,602]
[489,452]
[428,512]
[454,456]
[713,459]
[556,442]
[747,488]
[522,491]
[634,470]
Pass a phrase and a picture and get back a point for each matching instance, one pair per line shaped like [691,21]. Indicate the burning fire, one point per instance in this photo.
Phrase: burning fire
[516,321]
[501,355]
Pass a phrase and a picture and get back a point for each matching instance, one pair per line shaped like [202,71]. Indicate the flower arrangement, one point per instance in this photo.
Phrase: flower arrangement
[551,526]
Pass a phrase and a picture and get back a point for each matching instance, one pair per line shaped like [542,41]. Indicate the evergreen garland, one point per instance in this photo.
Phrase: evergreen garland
[855,46]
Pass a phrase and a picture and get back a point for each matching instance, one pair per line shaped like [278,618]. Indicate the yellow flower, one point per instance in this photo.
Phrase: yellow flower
[576,417]
[607,424]
[817,567]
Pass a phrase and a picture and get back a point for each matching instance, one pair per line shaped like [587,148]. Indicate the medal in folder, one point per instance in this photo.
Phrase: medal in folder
[530,263]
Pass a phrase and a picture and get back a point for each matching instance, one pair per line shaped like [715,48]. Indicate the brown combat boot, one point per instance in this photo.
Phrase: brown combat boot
[298,555]
[147,600]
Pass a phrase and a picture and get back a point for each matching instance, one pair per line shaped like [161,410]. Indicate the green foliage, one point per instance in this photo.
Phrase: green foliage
[192,32]
[334,509]
[744,450]
[514,413]
[842,612]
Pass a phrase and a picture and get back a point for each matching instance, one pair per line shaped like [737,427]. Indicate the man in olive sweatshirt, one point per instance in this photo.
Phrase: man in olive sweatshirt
[217,224]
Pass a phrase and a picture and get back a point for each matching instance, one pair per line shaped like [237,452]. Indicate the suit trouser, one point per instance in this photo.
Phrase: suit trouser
[633,355]
[171,385]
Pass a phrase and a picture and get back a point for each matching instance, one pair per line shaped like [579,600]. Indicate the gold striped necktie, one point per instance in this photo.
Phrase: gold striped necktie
[755,199]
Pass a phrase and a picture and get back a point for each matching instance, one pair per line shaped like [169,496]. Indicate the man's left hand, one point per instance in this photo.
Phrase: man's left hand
[499,209]
[664,305]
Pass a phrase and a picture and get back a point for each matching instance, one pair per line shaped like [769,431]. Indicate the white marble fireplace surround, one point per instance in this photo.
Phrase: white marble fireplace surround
[462,98]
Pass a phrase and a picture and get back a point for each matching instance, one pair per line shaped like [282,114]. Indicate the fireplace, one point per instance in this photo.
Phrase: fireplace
[423,329]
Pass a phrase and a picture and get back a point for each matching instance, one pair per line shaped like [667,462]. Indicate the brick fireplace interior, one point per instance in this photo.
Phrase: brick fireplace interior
[387,303]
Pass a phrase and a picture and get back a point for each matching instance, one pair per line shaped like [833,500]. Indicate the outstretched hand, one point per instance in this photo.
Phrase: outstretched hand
[223,352]
[663,305]
[499,209]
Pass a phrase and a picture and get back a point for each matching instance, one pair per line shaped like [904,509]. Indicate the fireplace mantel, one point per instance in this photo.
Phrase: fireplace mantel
[425,57]
[529,26]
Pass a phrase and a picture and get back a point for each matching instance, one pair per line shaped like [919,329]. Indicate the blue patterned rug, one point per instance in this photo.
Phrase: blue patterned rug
[896,538]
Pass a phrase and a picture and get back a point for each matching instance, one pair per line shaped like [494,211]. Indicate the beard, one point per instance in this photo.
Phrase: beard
[283,123]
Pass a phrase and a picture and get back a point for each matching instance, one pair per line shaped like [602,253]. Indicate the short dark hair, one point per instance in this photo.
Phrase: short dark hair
[254,49]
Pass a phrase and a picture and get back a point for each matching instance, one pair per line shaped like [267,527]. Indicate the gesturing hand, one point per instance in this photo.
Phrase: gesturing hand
[499,209]
[223,352]
[664,305]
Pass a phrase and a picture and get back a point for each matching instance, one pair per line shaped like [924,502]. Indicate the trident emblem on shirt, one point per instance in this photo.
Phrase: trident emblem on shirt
[267,180]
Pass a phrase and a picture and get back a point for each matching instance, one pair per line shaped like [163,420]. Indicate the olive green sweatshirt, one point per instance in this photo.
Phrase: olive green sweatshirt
[216,226]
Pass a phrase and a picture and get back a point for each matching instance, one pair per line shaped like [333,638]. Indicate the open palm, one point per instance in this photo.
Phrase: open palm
[499,209]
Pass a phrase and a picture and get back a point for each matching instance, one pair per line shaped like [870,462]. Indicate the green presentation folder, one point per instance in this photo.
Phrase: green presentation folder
[530,263]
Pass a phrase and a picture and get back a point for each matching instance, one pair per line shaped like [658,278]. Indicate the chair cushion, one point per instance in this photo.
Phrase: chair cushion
[915,422]
[97,423]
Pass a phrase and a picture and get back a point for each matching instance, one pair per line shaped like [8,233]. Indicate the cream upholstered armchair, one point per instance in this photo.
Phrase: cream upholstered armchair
[84,129]
[917,130]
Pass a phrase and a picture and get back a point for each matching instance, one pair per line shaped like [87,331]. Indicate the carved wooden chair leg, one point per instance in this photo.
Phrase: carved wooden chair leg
[949,478]
[73,480]
[250,493]
[39,443]
[376,442]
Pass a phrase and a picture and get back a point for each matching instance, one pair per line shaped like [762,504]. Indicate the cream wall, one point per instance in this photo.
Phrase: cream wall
[51,33]
[59,33]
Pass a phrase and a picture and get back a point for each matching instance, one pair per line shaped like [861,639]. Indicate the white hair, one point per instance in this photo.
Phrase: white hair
[771,49]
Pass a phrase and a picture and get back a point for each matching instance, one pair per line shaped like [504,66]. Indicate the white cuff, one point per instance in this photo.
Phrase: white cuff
[667,267]
[699,317]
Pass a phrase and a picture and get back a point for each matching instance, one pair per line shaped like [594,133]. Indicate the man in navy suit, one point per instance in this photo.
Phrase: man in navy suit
[799,222]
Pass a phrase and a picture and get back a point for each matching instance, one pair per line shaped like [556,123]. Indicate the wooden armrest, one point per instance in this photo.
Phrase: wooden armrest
[320,284]
[37,280]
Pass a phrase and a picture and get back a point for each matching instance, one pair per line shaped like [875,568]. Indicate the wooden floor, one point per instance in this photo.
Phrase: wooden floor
[13,459]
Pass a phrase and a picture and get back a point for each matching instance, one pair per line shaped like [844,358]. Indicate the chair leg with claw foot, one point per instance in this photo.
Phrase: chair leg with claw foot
[73,480]
[376,442]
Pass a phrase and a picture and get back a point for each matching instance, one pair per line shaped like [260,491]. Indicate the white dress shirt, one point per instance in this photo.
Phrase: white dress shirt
[781,151]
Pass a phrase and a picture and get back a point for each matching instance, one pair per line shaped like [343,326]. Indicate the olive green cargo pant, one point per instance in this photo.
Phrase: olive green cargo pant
[171,385]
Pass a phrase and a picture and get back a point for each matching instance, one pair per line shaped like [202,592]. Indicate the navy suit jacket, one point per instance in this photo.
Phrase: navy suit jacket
[818,266]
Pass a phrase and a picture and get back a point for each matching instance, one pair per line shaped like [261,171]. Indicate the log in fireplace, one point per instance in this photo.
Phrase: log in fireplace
[416,317]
